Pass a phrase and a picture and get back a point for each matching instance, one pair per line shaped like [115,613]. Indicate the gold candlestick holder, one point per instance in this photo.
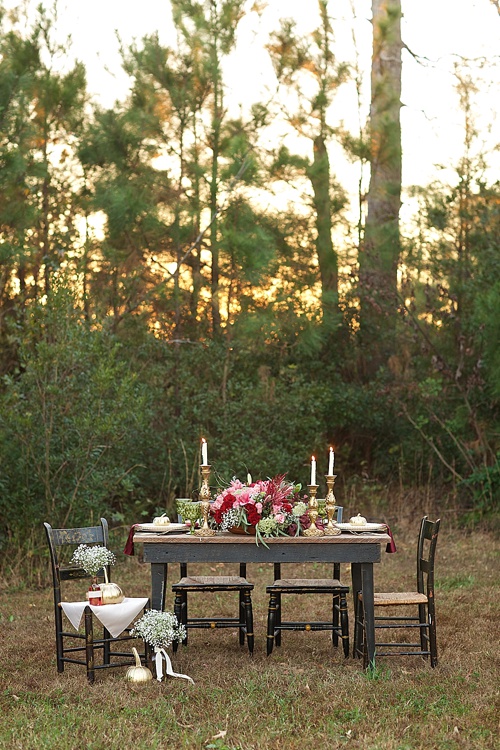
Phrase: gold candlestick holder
[313,530]
[331,528]
[205,529]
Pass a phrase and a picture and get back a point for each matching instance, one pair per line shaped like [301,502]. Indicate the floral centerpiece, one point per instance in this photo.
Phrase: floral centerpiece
[159,630]
[268,508]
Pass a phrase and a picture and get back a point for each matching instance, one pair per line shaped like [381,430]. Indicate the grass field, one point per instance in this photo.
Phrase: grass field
[304,697]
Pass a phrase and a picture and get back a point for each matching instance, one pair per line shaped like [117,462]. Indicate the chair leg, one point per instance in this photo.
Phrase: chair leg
[180,611]
[335,620]
[271,623]
[89,645]
[344,624]
[423,619]
[59,640]
[242,615]
[277,621]
[107,646]
[248,620]
[432,634]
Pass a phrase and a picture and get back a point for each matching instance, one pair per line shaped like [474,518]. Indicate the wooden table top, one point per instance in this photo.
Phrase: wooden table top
[149,537]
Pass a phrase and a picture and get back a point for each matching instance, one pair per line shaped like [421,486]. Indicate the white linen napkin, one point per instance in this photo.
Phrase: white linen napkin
[114,617]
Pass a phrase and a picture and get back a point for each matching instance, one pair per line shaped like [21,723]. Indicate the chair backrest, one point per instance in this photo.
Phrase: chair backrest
[339,509]
[58,538]
[426,550]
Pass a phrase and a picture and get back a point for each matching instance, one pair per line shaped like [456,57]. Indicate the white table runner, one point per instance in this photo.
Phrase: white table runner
[114,617]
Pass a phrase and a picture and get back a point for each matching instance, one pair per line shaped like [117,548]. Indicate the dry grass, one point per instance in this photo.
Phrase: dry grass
[305,696]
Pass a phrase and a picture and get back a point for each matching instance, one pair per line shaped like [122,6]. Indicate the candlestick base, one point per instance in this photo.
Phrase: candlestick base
[205,530]
[331,528]
[313,530]
[332,531]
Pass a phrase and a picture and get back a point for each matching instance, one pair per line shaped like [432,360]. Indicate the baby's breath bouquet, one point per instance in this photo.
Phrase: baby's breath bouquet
[159,630]
[92,559]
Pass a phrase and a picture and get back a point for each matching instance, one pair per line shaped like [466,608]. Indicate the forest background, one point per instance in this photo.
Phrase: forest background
[174,268]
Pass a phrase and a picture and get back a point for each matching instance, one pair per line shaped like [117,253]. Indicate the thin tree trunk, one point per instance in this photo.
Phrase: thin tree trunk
[379,256]
[319,175]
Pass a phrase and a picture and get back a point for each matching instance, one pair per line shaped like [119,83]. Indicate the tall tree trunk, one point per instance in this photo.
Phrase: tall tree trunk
[379,256]
[319,174]
[214,186]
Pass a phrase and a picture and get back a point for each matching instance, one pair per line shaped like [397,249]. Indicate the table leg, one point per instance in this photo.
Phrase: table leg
[369,611]
[356,581]
[158,585]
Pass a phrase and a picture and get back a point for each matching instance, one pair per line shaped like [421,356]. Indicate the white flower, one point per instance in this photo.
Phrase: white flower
[299,509]
[92,559]
[159,629]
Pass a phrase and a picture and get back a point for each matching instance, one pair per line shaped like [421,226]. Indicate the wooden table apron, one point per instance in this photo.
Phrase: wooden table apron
[360,551]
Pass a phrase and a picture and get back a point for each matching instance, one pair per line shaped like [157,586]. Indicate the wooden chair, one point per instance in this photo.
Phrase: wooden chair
[82,653]
[423,619]
[209,585]
[332,587]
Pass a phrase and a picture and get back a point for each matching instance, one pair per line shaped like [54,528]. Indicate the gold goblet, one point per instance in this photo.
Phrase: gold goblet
[331,528]
[313,530]
[205,529]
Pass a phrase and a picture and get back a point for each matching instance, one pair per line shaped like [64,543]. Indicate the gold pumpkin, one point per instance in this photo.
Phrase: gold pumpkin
[111,593]
[138,673]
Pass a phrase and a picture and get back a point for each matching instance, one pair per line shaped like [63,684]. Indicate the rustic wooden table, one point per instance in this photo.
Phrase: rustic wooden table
[360,551]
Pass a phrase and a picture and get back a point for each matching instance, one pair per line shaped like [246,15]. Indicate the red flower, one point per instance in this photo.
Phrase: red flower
[253,516]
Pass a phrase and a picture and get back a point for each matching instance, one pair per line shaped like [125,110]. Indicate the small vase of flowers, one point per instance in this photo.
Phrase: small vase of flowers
[93,560]
[267,508]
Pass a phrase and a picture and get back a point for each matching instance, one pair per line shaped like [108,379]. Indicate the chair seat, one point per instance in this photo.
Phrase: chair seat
[398,598]
[212,583]
[298,585]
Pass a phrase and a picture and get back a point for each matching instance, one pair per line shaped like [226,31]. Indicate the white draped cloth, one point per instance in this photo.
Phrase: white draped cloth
[114,617]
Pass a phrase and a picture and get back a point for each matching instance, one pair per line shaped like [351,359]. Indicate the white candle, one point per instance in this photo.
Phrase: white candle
[204,452]
[313,470]
[331,462]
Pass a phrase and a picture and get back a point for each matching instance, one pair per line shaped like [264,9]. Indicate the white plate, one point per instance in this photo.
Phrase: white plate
[165,528]
[365,527]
